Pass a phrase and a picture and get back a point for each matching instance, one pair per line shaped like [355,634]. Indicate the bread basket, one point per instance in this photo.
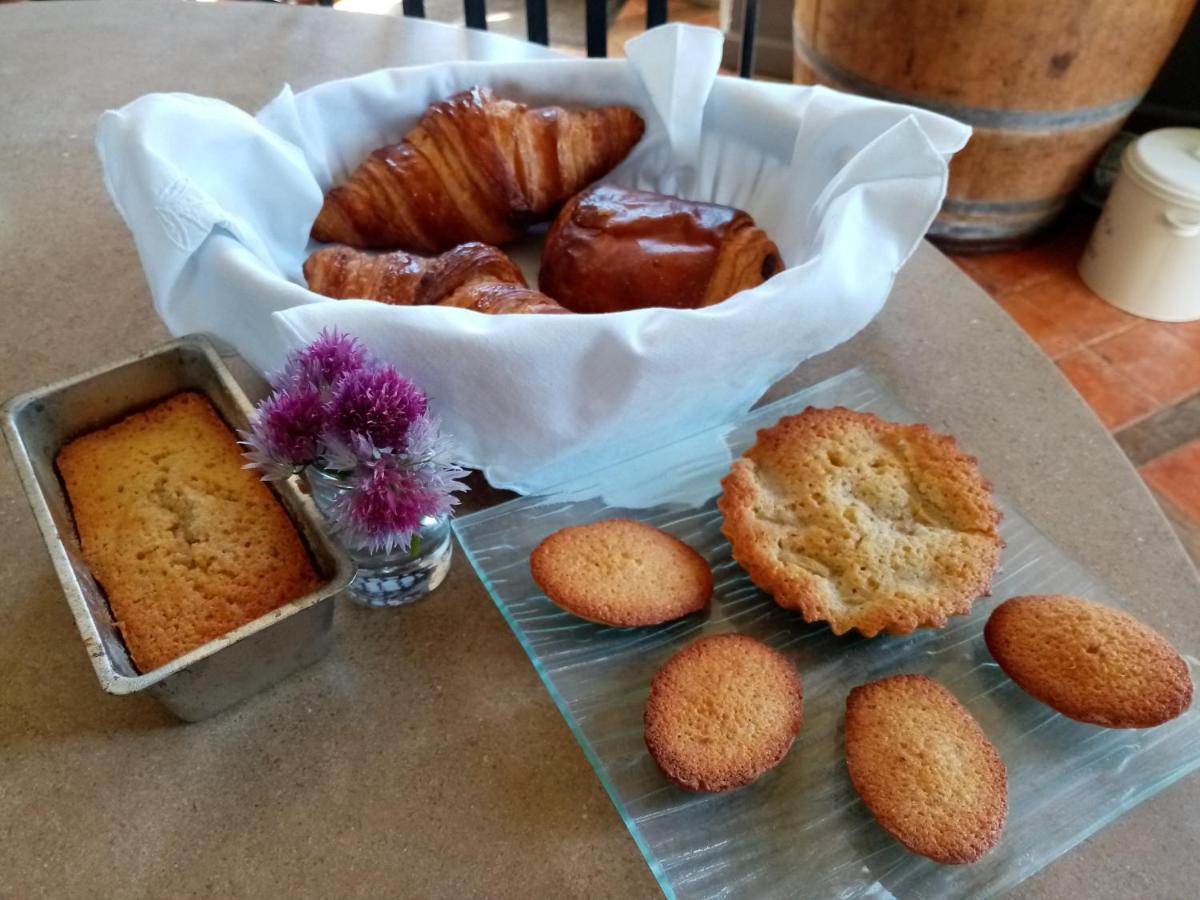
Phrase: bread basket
[220,204]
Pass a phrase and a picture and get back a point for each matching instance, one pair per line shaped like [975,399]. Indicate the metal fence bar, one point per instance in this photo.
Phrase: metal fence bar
[597,28]
[656,13]
[536,22]
[749,25]
[476,13]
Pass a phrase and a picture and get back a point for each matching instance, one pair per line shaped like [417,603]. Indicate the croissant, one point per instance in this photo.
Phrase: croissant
[614,249]
[476,168]
[472,276]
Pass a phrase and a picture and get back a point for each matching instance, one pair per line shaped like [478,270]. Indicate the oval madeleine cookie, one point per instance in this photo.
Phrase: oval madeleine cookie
[925,769]
[722,711]
[862,523]
[1089,661]
[621,572]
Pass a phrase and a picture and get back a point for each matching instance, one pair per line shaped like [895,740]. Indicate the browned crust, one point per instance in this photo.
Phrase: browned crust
[475,168]
[343,273]
[795,588]
[187,543]
[471,276]
[1103,666]
[621,572]
[772,687]
[907,739]
[614,248]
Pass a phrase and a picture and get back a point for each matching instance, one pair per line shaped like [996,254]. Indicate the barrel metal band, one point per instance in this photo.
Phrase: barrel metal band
[1011,207]
[980,232]
[979,116]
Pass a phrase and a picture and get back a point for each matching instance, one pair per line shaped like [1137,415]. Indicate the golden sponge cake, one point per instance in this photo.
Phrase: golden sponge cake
[925,769]
[621,572]
[1088,661]
[862,523]
[722,711]
[186,543]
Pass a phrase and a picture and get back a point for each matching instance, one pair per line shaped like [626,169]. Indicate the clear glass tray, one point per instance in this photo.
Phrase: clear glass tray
[800,830]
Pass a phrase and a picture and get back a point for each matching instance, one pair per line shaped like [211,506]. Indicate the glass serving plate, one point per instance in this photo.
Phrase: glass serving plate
[800,829]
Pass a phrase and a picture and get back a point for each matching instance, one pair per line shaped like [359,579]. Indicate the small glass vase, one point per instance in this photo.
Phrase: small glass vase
[394,578]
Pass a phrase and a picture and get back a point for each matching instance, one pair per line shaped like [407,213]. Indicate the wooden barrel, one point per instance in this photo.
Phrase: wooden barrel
[1044,83]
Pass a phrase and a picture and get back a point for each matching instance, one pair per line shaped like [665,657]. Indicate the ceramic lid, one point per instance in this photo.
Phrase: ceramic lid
[1168,161]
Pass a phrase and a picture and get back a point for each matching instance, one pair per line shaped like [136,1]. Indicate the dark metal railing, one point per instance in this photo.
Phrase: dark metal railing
[476,13]
[596,23]
[536,24]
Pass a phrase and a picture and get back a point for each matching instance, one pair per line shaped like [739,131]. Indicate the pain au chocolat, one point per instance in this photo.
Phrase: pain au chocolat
[613,248]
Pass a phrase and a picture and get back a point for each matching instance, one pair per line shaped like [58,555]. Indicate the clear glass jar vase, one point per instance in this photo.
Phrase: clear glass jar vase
[394,578]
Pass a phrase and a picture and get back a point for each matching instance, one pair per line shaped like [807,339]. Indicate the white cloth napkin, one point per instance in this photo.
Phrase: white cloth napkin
[220,204]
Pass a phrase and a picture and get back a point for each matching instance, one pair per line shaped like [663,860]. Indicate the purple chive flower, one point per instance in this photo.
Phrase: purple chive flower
[324,361]
[337,409]
[347,455]
[425,439]
[376,404]
[285,432]
[385,508]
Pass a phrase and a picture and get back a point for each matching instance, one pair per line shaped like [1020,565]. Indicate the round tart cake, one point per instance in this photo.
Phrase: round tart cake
[1088,661]
[621,572]
[722,711]
[862,523]
[925,769]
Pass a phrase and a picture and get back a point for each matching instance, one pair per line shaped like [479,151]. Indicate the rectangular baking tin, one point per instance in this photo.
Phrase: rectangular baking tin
[230,668]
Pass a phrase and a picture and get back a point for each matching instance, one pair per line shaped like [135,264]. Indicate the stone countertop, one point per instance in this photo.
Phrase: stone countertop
[423,757]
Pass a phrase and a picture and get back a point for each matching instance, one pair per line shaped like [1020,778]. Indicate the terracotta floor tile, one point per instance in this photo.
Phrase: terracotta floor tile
[1002,273]
[1116,400]
[1176,475]
[1053,340]
[1073,310]
[1188,331]
[964,261]
[1056,253]
[1168,428]
[1161,363]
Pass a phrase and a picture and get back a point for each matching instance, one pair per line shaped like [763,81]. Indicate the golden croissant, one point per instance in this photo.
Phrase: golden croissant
[476,168]
[472,276]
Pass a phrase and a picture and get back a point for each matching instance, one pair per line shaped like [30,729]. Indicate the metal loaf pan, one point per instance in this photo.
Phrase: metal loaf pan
[221,672]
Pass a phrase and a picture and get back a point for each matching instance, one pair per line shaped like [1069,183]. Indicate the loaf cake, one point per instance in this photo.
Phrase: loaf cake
[186,543]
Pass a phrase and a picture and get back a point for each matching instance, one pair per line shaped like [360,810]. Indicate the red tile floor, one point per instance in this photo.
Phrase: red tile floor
[1142,378]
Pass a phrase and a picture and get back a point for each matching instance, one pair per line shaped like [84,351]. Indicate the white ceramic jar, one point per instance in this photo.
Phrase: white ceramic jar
[1144,255]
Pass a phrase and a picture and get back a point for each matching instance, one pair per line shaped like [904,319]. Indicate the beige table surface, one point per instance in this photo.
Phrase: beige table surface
[423,758]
